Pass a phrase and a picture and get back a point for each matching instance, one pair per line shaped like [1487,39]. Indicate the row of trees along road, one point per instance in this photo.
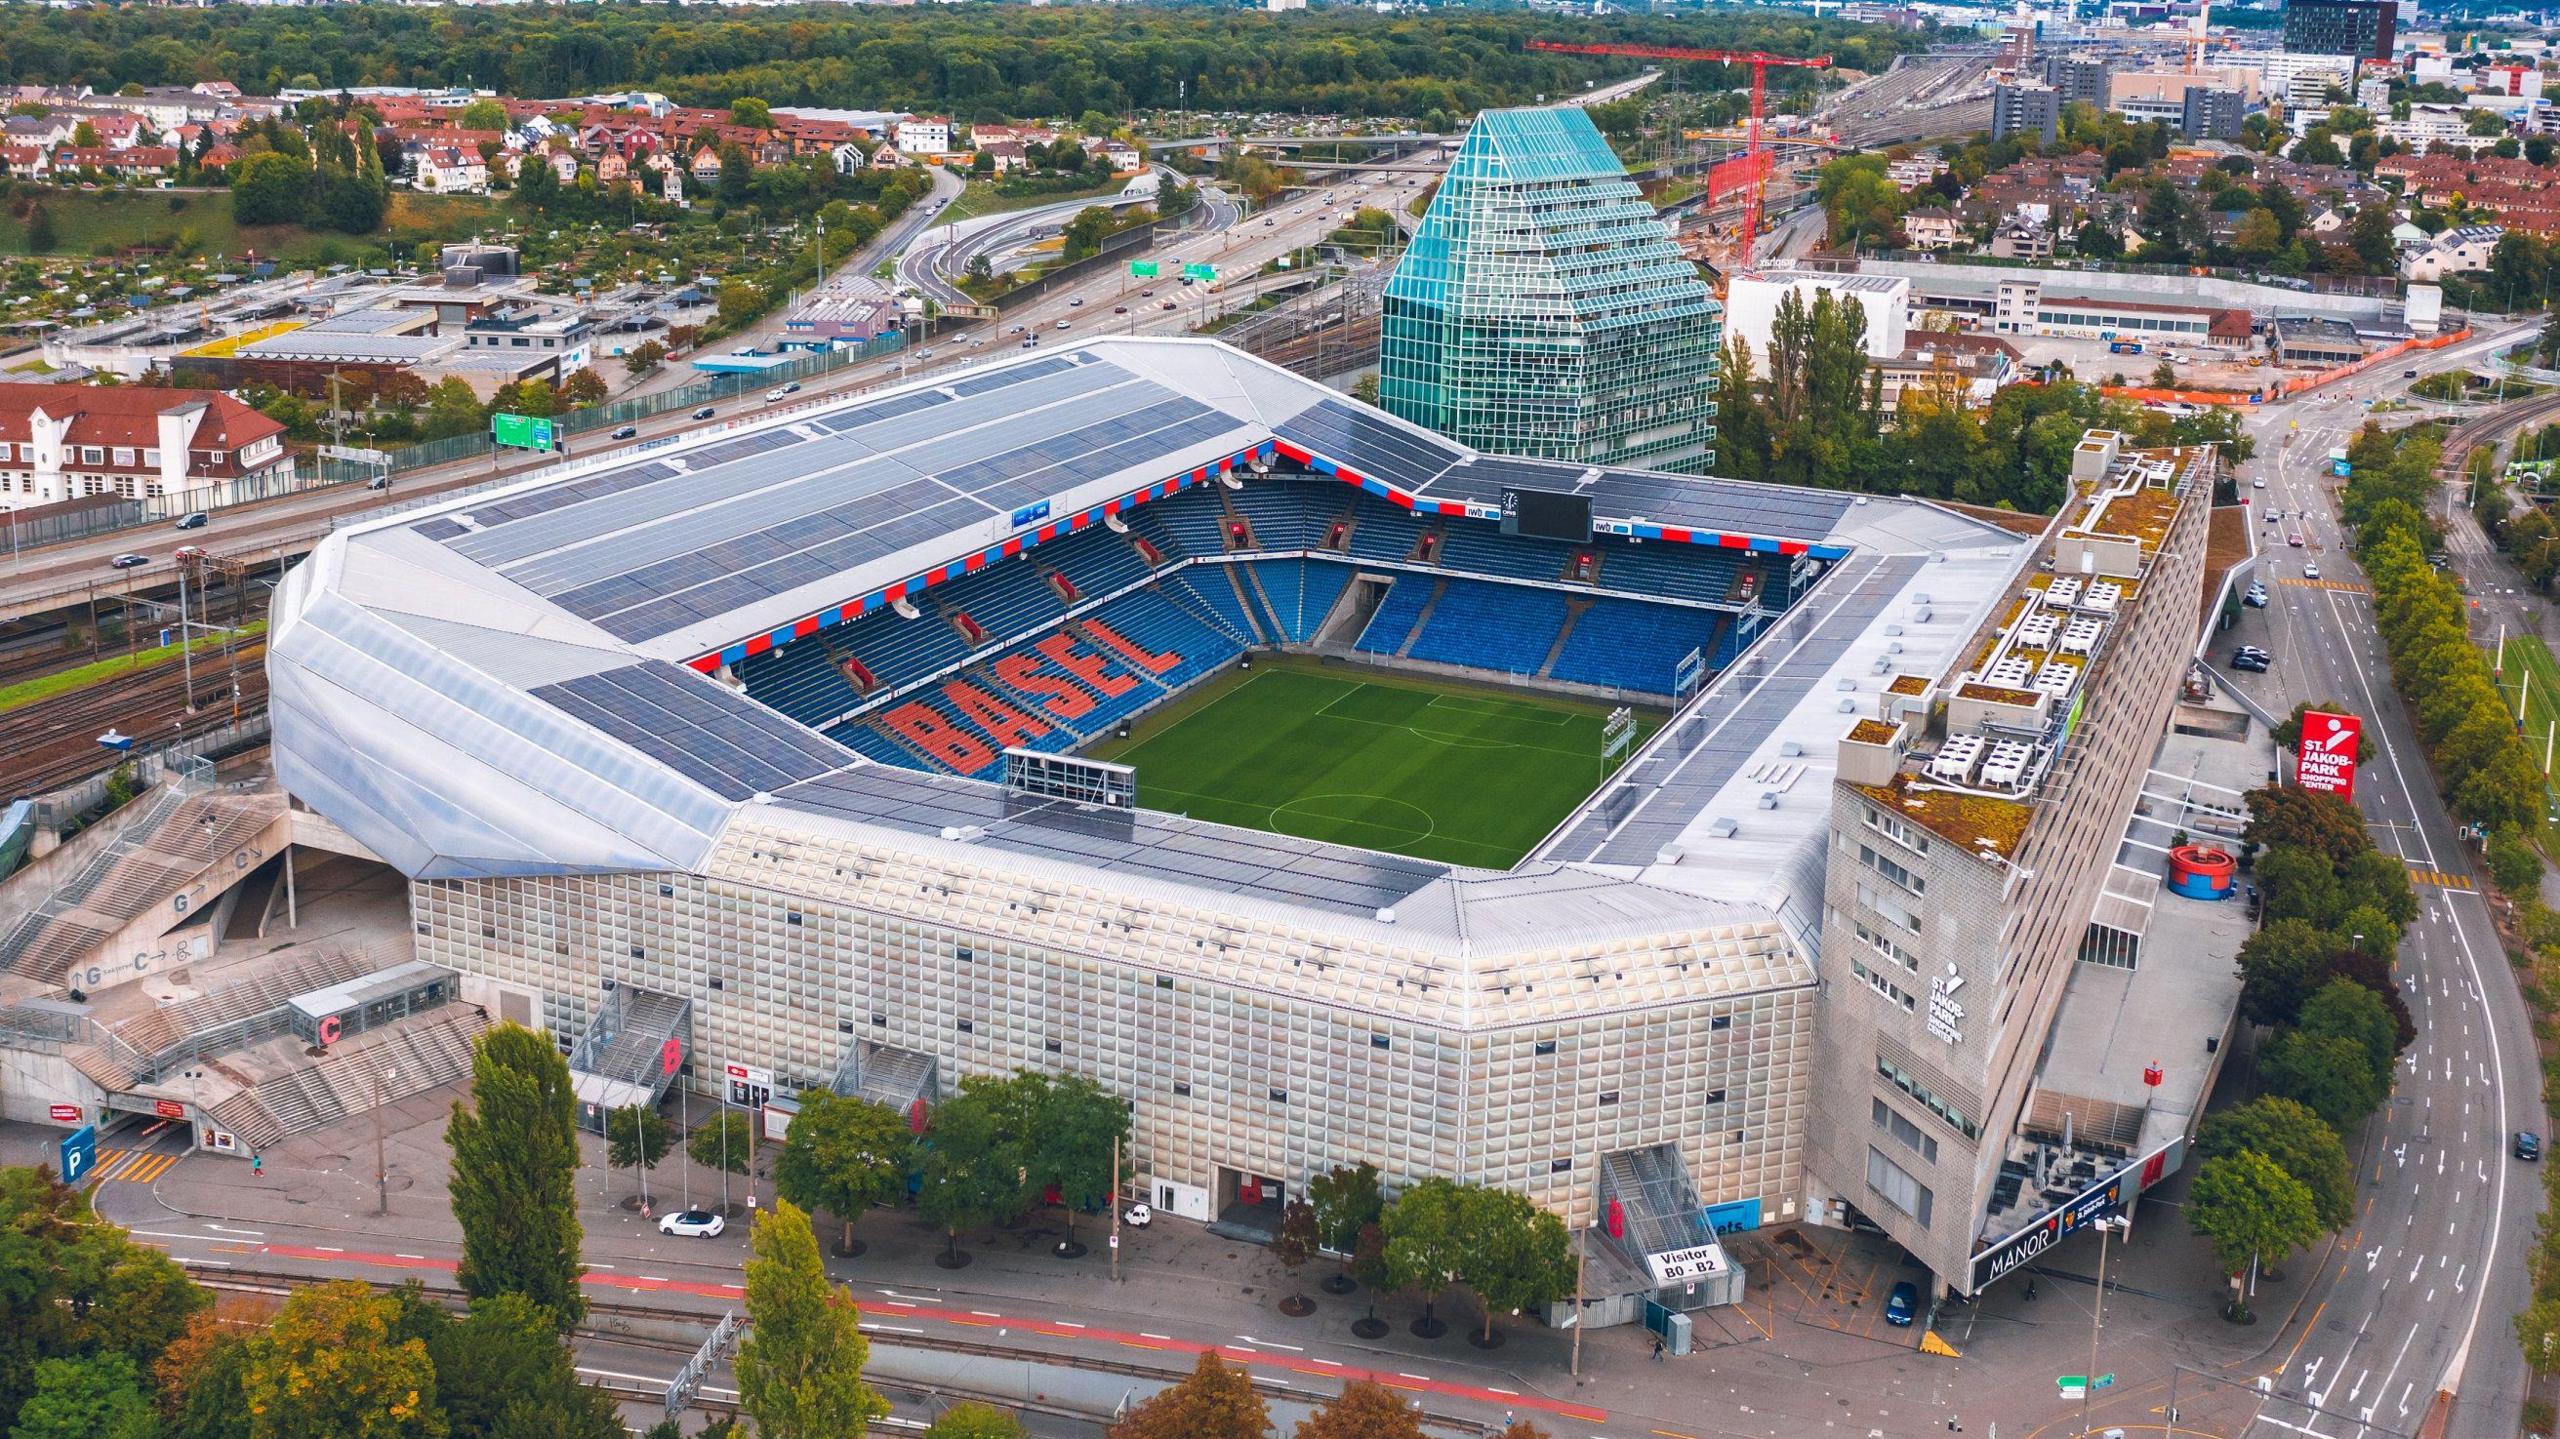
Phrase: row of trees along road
[1217,1401]
[2317,979]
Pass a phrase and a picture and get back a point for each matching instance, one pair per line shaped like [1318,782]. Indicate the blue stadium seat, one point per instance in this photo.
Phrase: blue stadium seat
[1689,572]
[1623,644]
[800,680]
[1507,629]
[1289,514]
[1207,587]
[1006,598]
[862,739]
[1478,546]
[1324,584]
[1382,531]
[1386,631]
[1096,561]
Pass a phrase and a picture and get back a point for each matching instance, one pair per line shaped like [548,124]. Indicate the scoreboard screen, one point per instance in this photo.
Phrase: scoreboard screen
[1546,515]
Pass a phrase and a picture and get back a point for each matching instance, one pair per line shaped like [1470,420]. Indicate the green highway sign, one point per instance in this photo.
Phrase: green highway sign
[2072,1385]
[521,432]
[1194,270]
[1142,269]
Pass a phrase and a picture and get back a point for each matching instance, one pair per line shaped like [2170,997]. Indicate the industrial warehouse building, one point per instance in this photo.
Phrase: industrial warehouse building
[763,742]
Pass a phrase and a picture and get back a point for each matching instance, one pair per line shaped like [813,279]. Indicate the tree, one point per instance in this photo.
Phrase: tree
[198,1379]
[503,1369]
[1516,1254]
[2328,1073]
[2251,1212]
[1426,1244]
[1084,234]
[644,357]
[1347,1199]
[268,188]
[1362,1411]
[971,1170]
[515,1162]
[483,114]
[2538,1330]
[2279,967]
[2300,1143]
[583,387]
[96,1396]
[1522,1429]
[1293,1246]
[637,1136]
[800,1367]
[2304,819]
[2164,376]
[40,236]
[2349,1011]
[727,1143]
[1215,1402]
[1078,1128]
[73,1287]
[750,111]
[969,1419]
[843,1154]
[329,1365]
[740,302]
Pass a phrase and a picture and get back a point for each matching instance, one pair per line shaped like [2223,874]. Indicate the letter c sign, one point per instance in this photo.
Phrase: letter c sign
[329,1029]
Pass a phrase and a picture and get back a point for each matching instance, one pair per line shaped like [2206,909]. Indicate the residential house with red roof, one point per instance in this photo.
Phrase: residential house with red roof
[67,442]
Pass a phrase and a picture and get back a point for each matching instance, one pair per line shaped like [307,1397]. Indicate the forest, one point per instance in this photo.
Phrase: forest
[973,62]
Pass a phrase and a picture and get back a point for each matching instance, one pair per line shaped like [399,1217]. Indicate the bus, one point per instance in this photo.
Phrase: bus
[2338,465]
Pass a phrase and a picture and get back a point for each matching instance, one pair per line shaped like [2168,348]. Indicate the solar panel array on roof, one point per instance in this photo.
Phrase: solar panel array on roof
[1047,466]
[1009,376]
[1156,846]
[556,497]
[442,527]
[878,410]
[697,727]
[1371,445]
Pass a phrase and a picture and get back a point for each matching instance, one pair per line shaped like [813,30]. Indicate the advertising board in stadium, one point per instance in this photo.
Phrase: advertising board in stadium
[2325,759]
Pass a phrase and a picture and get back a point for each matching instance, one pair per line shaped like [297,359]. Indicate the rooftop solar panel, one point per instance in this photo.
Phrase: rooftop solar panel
[697,727]
[1010,375]
[442,527]
[1346,433]
[880,410]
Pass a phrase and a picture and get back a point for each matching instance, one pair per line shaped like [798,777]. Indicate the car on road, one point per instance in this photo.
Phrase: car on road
[194,520]
[1902,1305]
[2528,1146]
[2257,484]
[2311,570]
[706,412]
[1164,304]
[129,562]
[2408,374]
[776,393]
[378,482]
[924,354]
[791,389]
[1075,301]
[627,432]
[1031,343]
[1064,325]
[184,553]
[1119,309]
[1268,222]
[693,1224]
[2256,598]
[2294,540]
[1139,1216]
[1146,294]
[1016,330]
[2256,661]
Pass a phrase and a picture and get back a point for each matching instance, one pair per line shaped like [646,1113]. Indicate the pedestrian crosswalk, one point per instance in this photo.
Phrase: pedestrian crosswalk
[2341,586]
[2437,878]
[134,1166]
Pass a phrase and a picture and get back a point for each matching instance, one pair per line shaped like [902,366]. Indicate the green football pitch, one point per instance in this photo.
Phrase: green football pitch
[1388,762]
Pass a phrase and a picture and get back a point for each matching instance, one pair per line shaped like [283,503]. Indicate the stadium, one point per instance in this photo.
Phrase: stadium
[1144,710]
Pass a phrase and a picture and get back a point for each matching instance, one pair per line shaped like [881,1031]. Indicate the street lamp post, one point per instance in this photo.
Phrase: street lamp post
[2112,1224]
[381,1168]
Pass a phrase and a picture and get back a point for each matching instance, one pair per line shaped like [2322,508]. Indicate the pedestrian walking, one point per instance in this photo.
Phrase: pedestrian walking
[1657,1349]
[2031,1291]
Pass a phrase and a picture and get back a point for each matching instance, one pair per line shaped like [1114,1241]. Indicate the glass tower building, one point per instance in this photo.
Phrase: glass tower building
[1542,310]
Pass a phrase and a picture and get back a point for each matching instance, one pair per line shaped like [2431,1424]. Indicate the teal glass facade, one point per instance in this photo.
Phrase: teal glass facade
[1542,310]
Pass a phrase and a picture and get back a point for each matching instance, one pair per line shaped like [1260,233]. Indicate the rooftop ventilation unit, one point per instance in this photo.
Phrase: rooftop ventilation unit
[2007,763]
[1955,759]
[1722,828]
[2081,635]
[2009,674]
[2064,591]
[2103,596]
[2036,630]
[2057,679]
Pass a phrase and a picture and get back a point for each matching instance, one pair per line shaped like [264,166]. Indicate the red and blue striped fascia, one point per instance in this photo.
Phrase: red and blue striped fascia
[882,598]
[1672,534]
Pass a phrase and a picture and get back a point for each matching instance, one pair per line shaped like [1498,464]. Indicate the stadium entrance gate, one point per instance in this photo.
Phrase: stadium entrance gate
[1249,1204]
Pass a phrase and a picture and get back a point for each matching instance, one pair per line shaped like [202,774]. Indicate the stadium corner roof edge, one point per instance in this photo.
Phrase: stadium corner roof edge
[519,680]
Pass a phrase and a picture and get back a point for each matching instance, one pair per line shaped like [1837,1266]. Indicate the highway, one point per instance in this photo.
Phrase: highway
[42,579]
[2417,1297]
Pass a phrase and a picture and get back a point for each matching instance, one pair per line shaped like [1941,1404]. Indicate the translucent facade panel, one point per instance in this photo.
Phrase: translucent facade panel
[1543,310]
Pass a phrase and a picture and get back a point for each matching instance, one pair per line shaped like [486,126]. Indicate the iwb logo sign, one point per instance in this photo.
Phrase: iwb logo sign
[2325,760]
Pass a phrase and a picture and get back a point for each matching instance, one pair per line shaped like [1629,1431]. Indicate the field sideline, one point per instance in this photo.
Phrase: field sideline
[1403,763]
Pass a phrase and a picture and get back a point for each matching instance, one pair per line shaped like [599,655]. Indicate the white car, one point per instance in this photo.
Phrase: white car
[2311,572]
[1139,1216]
[2257,484]
[693,1224]
[772,395]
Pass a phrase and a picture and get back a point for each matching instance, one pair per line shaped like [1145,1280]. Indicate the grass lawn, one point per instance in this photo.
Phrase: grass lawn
[1391,762]
[85,219]
[28,691]
[2527,655]
[982,198]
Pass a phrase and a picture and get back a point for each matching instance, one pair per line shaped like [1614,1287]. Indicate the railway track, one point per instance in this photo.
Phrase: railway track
[618,1319]
[54,742]
[2463,438]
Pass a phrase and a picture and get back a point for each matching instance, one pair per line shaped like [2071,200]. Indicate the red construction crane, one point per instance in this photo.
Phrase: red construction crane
[1755,163]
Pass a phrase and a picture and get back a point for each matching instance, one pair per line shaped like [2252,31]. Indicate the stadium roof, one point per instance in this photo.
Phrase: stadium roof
[499,684]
